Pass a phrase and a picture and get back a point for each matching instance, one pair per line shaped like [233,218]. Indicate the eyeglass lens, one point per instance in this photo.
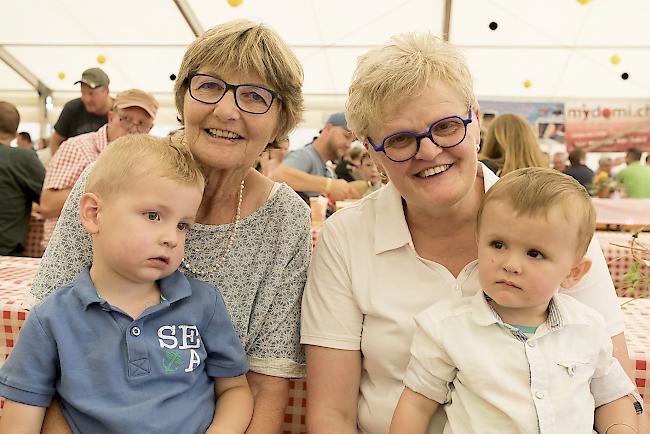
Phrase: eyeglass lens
[210,90]
[140,127]
[445,133]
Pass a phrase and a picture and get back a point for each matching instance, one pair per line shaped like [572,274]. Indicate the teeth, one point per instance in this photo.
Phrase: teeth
[222,133]
[434,170]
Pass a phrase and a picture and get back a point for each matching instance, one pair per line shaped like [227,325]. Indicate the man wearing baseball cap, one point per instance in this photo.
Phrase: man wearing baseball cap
[85,114]
[133,112]
[305,170]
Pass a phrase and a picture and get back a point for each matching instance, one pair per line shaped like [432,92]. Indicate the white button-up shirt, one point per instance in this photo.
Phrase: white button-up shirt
[366,283]
[496,380]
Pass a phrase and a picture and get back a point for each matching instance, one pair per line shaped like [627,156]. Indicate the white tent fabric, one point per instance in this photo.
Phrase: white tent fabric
[562,47]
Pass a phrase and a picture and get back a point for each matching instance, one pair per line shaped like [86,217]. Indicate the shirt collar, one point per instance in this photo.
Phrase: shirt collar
[173,288]
[391,230]
[558,315]
[102,134]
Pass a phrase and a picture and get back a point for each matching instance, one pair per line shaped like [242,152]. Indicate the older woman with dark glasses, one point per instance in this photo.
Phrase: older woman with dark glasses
[380,262]
[238,90]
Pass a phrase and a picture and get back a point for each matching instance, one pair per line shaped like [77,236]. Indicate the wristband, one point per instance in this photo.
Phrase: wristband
[328,185]
[621,424]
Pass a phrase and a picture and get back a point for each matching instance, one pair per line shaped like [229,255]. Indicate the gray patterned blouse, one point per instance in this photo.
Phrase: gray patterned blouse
[261,280]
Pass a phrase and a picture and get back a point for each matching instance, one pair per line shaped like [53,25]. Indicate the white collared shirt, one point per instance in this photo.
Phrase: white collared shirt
[494,380]
[366,283]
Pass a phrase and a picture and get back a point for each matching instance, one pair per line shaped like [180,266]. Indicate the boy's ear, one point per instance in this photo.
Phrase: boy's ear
[89,207]
[577,273]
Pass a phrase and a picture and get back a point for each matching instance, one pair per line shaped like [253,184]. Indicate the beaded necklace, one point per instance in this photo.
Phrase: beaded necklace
[231,240]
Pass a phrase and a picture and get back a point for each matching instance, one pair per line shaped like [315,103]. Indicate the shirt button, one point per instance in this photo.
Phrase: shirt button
[531,343]
[135,331]
[539,395]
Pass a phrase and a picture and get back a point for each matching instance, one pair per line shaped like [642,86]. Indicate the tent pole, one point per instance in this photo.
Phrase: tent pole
[446,21]
[190,17]
[44,92]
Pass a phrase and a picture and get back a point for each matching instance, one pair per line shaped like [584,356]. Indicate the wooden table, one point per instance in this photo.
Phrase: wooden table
[622,212]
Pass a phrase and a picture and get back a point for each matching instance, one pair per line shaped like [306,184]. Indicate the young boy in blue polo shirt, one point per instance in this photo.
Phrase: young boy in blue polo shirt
[132,345]
[519,357]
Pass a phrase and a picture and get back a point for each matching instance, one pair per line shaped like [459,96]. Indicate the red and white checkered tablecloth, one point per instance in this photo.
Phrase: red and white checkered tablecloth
[34,236]
[16,275]
[636,314]
[619,259]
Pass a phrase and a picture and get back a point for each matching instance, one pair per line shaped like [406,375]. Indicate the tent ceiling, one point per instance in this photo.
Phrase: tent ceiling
[561,46]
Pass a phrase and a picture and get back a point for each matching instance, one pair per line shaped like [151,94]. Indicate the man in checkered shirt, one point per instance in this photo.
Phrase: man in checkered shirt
[133,112]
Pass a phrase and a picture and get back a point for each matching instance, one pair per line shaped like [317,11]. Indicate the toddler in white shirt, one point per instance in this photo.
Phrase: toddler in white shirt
[518,357]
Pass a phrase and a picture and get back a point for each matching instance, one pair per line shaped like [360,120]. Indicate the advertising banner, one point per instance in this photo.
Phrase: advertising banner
[608,126]
[547,118]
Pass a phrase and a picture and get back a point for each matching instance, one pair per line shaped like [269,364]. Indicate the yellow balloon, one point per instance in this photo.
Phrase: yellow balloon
[527,83]
[584,2]
[101,59]
[61,75]
[235,3]
[615,59]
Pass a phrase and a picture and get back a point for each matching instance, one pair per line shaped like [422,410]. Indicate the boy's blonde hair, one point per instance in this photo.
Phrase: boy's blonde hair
[533,191]
[243,46]
[132,157]
[402,69]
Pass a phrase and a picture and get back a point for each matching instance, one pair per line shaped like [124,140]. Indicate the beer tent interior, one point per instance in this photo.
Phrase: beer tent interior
[532,50]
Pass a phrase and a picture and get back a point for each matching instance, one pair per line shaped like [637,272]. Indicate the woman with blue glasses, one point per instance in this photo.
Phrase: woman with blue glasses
[383,260]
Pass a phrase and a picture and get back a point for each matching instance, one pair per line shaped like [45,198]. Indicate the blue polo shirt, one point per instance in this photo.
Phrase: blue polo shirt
[116,374]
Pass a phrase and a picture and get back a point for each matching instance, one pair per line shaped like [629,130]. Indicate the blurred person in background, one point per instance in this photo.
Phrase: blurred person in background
[560,161]
[635,177]
[87,113]
[24,140]
[43,151]
[578,169]
[21,180]
[605,164]
[369,172]
[509,144]
[305,169]
[272,157]
[347,167]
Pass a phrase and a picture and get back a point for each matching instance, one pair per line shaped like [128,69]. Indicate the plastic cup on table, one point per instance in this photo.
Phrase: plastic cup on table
[318,206]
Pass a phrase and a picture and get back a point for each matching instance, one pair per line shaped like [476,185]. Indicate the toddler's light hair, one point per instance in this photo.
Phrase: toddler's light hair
[130,158]
[534,191]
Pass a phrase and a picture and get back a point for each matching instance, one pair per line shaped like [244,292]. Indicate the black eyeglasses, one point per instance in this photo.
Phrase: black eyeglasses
[248,97]
[445,133]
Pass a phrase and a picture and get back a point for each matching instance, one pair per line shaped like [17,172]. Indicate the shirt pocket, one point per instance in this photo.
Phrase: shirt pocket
[580,368]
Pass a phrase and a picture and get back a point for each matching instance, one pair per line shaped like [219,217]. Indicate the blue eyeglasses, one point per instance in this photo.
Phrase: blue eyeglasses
[445,133]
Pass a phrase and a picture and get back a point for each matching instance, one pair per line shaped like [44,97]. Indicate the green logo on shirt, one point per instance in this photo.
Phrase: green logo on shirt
[172,361]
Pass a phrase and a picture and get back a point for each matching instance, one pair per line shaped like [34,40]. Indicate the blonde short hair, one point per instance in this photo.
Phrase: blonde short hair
[511,142]
[534,191]
[134,156]
[243,46]
[399,70]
